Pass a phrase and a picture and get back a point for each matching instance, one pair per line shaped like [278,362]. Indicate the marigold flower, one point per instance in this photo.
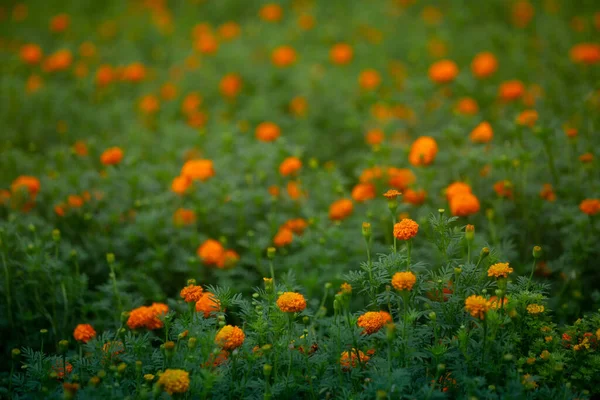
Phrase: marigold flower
[230,337]
[369,79]
[500,270]
[484,65]
[147,317]
[443,71]
[585,53]
[267,132]
[135,72]
[464,204]
[31,54]
[345,288]
[466,106]
[535,309]
[283,56]
[503,189]
[60,23]
[423,151]
[168,91]
[283,237]
[456,188]
[183,216]
[297,225]
[406,229]
[414,197]
[174,381]
[522,13]
[201,170]
[374,137]
[392,194]
[84,333]
[477,306]
[34,83]
[271,12]
[30,183]
[230,85]
[373,321]
[60,368]
[306,21]
[527,118]
[590,206]
[529,382]
[229,30]
[340,209]
[206,43]
[547,193]
[363,192]
[105,75]
[181,184]
[291,302]
[341,54]
[191,293]
[482,133]
[586,158]
[290,166]
[349,359]
[211,252]
[112,156]
[400,178]
[404,280]
[208,304]
[294,190]
[511,90]
[113,348]
[58,61]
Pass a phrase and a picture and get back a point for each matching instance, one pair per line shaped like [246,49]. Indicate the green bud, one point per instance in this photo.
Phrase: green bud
[267,370]
[63,346]
[15,353]
[537,252]
[271,252]
[192,342]
[432,316]
[110,258]
[56,235]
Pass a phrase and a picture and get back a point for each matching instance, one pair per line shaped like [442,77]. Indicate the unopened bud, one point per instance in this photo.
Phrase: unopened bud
[271,252]
[110,258]
[56,235]
[366,230]
[267,370]
[192,342]
[432,316]
[15,353]
[470,232]
[484,252]
[537,252]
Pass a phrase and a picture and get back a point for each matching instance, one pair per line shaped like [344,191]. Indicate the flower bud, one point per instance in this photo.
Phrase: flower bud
[31,227]
[268,284]
[192,342]
[328,285]
[390,331]
[381,395]
[121,368]
[56,235]
[138,366]
[110,258]
[366,230]
[441,367]
[484,253]
[458,270]
[470,232]
[305,320]
[267,370]
[15,353]
[101,374]
[94,381]
[63,346]
[255,295]
[432,316]
[271,252]
[537,252]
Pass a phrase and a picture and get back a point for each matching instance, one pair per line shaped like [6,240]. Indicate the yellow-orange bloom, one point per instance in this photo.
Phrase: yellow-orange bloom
[271,12]
[341,54]
[423,151]
[230,85]
[404,280]
[211,252]
[585,53]
[112,156]
[373,321]
[522,13]
[466,106]
[374,137]
[369,79]
[499,270]
[184,216]
[283,237]
[147,317]
[31,54]
[208,304]
[135,72]
[349,359]
[229,30]
[340,209]
[363,192]
[484,65]
[414,197]
[291,302]
[191,293]
[464,204]
[174,381]
[290,166]
[29,183]
[267,132]
[181,184]
[60,22]
[482,133]
[400,178]
[406,229]
[527,118]
[590,206]
[547,193]
[84,333]
[58,61]
[297,225]
[535,309]
[443,71]
[198,170]
[283,56]
[477,306]
[230,337]
[511,90]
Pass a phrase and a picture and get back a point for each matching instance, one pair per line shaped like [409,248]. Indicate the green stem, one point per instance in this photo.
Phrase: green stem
[408,251]
[354,341]
[8,291]
[531,275]
[405,296]
[485,328]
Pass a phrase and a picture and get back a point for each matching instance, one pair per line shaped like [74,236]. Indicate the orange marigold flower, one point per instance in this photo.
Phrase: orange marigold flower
[345,288]
[135,72]
[274,191]
[400,178]
[456,188]
[113,349]
[80,148]
[112,156]
[191,293]
[267,132]
[466,106]
[211,252]
[230,337]
[443,71]
[60,23]
[522,13]
[527,118]
[58,61]
[34,83]
[482,133]
[60,368]
[414,197]
[149,104]
[184,216]
[208,304]
[374,137]
[31,54]
[369,79]
[75,201]
[306,21]
[392,194]
[174,381]
[423,151]
[535,309]
[340,209]
[230,85]
[206,43]
[547,193]
[84,333]
[464,204]
[406,229]
[363,192]
[30,183]
[271,12]
[198,170]
[191,102]
[373,321]
[477,306]
[230,258]
[298,106]
[484,65]
[168,91]
[590,206]
[494,302]
[503,189]
[586,158]
[105,75]
[341,54]
[283,237]
[404,280]
[147,317]
[4,197]
[181,184]
[283,56]
[297,225]
[290,166]
[229,30]
[511,90]
[294,190]
[585,53]
[291,302]
[349,359]
[500,270]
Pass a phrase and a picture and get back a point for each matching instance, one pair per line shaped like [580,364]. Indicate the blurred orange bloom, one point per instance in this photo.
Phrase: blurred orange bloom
[198,170]
[112,156]
[271,12]
[31,54]
[511,90]
[340,209]
[290,166]
[484,65]
[423,151]
[341,54]
[369,79]
[60,23]
[443,71]
[482,133]
[585,53]
[230,85]
[267,132]
[363,192]
[283,56]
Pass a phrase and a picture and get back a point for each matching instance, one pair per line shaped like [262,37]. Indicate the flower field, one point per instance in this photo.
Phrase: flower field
[359,199]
